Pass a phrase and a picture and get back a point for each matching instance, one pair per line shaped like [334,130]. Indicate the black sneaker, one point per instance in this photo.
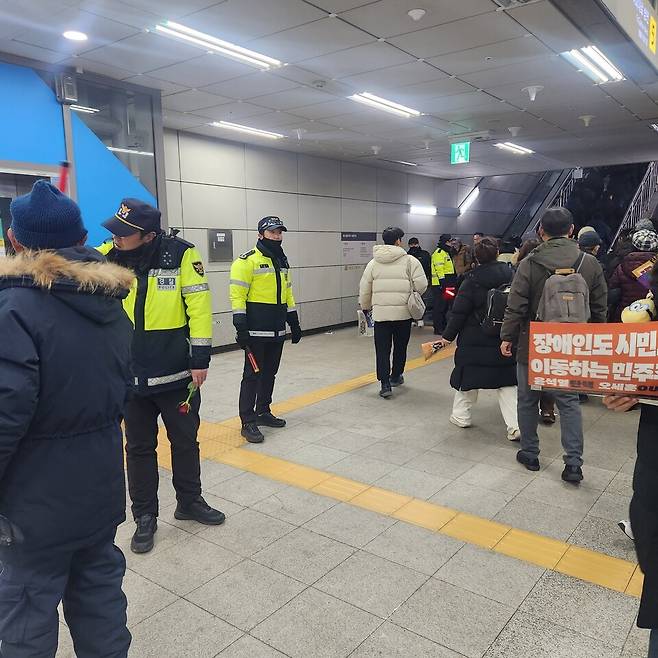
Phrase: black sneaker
[200,511]
[251,432]
[397,381]
[386,391]
[531,463]
[142,541]
[269,420]
[573,474]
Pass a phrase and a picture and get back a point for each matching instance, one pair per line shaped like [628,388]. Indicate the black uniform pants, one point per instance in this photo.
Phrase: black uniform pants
[394,334]
[141,422]
[440,310]
[257,388]
[87,580]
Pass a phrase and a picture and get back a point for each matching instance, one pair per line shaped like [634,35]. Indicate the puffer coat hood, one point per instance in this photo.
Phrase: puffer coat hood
[387,253]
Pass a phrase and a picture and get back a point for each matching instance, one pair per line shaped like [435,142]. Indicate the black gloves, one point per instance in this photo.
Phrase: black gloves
[242,338]
[296,333]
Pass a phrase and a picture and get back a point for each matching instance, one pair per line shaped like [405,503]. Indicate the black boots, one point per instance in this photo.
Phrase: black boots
[269,420]
[251,432]
[142,541]
[199,511]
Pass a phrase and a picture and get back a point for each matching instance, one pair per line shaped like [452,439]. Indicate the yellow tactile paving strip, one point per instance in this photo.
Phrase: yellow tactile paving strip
[221,442]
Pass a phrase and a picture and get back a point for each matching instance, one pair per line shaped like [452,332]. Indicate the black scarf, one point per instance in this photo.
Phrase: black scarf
[138,260]
[273,249]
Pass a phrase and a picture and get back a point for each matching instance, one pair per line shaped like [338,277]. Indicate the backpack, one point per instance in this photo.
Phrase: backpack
[492,321]
[565,297]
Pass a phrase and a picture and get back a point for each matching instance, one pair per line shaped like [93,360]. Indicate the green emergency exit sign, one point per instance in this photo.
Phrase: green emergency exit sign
[460,153]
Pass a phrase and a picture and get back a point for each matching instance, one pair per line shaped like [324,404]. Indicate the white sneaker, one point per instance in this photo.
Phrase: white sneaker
[420,323]
[625,527]
[514,435]
[459,423]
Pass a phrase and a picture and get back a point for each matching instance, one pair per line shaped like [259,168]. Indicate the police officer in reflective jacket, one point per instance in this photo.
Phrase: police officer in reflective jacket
[262,301]
[170,306]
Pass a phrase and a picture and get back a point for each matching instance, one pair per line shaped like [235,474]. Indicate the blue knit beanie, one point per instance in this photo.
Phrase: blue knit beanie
[46,219]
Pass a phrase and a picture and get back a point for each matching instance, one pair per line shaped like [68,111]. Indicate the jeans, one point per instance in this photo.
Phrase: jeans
[142,439]
[395,333]
[571,421]
[464,401]
[653,643]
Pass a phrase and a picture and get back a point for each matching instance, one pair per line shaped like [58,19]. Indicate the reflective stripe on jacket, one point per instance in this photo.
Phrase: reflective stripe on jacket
[442,266]
[261,295]
[170,306]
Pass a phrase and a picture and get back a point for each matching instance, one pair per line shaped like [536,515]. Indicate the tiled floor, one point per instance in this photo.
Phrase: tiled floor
[294,573]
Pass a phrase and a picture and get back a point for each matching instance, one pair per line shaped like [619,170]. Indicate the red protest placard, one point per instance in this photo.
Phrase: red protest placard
[594,358]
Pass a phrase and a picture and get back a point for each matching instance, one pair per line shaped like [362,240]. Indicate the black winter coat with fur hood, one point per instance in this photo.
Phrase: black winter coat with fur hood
[64,377]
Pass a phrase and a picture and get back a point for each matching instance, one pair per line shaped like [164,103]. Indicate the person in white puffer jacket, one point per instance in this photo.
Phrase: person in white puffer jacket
[384,289]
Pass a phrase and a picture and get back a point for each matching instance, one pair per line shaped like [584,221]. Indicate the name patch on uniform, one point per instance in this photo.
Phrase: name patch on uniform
[198,268]
[166,283]
[263,266]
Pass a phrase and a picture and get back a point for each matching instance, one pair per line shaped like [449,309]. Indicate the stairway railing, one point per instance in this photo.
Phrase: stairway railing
[559,197]
[641,204]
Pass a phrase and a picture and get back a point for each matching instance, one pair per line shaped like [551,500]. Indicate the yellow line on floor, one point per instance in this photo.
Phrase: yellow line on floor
[220,442]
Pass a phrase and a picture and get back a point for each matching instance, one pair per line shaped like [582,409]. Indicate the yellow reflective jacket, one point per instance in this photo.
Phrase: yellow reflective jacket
[261,296]
[442,267]
[170,306]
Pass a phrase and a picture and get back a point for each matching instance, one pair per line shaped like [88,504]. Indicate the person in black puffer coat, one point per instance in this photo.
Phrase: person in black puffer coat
[478,361]
[64,379]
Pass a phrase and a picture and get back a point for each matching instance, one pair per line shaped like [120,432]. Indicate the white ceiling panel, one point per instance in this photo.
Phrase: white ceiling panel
[337,6]
[504,53]
[326,110]
[357,60]
[394,77]
[231,111]
[119,11]
[451,103]
[249,86]
[550,26]
[32,52]
[100,68]
[327,35]
[417,93]
[180,121]
[633,98]
[202,71]
[171,8]
[240,21]
[277,119]
[388,18]
[17,15]
[193,99]
[143,52]
[284,100]
[472,32]
[154,83]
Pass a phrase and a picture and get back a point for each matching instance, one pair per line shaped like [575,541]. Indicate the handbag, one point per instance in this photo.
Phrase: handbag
[415,303]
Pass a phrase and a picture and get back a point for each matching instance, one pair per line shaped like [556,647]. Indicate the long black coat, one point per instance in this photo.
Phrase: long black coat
[644,514]
[478,361]
[64,377]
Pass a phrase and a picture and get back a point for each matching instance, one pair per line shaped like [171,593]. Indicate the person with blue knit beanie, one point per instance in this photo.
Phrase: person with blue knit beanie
[46,219]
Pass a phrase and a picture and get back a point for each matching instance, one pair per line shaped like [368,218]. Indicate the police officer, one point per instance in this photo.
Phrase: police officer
[262,303]
[443,276]
[171,308]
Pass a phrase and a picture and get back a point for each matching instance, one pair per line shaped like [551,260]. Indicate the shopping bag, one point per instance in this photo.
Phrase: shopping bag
[365,323]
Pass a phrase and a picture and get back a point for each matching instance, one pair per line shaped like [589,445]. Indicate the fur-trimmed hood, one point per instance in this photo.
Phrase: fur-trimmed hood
[79,277]
[77,267]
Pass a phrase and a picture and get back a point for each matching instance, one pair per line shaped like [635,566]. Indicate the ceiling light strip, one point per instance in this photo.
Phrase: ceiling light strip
[84,109]
[392,104]
[603,62]
[589,65]
[117,149]
[422,210]
[246,129]
[392,108]
[208,42]
[513,148]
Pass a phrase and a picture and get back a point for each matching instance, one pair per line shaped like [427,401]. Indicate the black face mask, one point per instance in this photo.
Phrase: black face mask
[136,259]
[273,246]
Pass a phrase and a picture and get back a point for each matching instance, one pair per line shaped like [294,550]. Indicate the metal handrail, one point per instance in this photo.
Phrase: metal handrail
[561,195]
[641,203]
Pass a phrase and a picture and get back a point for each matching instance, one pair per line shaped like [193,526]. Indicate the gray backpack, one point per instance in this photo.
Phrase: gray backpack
[565,297]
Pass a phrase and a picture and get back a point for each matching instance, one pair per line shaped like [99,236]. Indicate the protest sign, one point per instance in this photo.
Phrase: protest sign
[606,359]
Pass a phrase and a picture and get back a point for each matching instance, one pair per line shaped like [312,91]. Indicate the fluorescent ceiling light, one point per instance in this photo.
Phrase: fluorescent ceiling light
[210,43]
[74,35]
[655,126]
[422,210]
[513,148]
[117,149]
[594,64]
[468,201]
[246,129]
[84,109]
[382,104]
[401,162]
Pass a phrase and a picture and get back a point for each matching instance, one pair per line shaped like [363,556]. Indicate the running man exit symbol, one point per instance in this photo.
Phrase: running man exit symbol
[460,153]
